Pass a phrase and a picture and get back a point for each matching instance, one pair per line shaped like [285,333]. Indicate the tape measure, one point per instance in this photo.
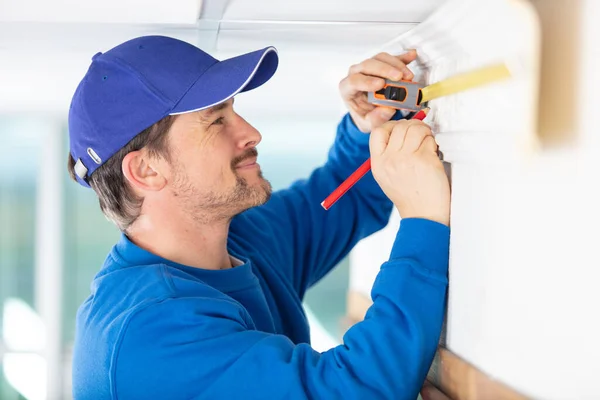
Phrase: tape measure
[408,95]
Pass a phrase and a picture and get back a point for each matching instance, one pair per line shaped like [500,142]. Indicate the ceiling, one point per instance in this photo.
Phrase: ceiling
[46,45]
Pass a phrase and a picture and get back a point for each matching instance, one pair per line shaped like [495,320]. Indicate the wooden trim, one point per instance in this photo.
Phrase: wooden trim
[357,305]
[462,381]
[455,377]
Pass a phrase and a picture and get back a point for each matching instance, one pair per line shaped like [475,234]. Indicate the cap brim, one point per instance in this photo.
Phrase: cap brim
[227,78]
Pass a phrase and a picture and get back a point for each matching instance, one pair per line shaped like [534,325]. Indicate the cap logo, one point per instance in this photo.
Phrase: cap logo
[94,156]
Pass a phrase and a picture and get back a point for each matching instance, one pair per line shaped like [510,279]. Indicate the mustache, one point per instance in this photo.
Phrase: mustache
[250,153]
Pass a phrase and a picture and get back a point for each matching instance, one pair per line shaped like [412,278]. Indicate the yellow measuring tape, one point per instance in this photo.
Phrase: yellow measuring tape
[465,81]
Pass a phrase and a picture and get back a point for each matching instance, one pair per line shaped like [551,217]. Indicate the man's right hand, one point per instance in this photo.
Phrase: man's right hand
[406,166]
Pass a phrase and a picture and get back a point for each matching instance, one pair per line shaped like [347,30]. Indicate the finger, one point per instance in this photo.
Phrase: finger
[396,63]
[415,136]
[408,57]
[376,68]
[379,116]
[398,136]
[364,107]
[380,136]
[429,146]
[360,104]
[358,82]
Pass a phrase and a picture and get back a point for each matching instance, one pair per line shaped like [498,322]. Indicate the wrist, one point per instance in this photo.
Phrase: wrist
[353,117]
[441,218]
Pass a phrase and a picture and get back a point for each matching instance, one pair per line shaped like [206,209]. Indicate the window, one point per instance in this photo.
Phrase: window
[18,191]
[52,233]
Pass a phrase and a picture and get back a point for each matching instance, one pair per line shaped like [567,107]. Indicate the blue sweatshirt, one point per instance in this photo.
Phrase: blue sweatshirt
[155,329]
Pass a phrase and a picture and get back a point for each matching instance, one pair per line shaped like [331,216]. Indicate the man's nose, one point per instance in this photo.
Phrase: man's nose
[248,136]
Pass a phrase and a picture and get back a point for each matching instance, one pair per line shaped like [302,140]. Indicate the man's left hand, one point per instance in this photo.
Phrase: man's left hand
[369,76]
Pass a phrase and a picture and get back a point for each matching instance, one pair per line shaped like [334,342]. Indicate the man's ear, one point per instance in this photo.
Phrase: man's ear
[141,172]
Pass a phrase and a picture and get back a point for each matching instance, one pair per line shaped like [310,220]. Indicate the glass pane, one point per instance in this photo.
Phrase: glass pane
[18,168]
[326,299]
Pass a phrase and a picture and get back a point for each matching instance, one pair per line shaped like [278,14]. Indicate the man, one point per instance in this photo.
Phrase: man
[201,297]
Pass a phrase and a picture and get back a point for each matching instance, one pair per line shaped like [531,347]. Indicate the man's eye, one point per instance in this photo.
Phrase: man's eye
[218,121]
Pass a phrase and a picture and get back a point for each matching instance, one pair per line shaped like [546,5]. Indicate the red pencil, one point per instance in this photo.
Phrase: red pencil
[359,173]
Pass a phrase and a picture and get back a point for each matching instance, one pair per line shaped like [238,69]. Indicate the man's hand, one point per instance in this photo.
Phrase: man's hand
[369,76]
[406,165]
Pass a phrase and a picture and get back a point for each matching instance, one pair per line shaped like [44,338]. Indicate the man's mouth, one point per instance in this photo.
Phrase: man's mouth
[248,163]
[247,160]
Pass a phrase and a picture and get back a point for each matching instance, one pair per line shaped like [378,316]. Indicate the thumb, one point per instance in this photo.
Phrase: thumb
[379,116]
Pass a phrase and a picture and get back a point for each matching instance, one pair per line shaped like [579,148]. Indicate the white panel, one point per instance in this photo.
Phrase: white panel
[369,254]
[523,265]
[111,11]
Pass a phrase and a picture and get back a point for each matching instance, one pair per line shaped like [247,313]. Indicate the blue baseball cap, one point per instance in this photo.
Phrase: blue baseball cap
[137,83]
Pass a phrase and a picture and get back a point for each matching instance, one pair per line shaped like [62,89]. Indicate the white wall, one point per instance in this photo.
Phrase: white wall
[523,301]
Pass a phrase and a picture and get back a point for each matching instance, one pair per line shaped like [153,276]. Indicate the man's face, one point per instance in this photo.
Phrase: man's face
[214,169]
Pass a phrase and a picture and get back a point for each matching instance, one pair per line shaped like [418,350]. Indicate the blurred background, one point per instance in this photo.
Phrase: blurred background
[53,237]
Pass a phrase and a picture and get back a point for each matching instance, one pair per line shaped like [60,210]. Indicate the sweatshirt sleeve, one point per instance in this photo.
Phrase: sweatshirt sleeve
[310,241]
[203,348]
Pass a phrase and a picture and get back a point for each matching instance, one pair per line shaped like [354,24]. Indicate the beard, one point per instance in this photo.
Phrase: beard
[214,206]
